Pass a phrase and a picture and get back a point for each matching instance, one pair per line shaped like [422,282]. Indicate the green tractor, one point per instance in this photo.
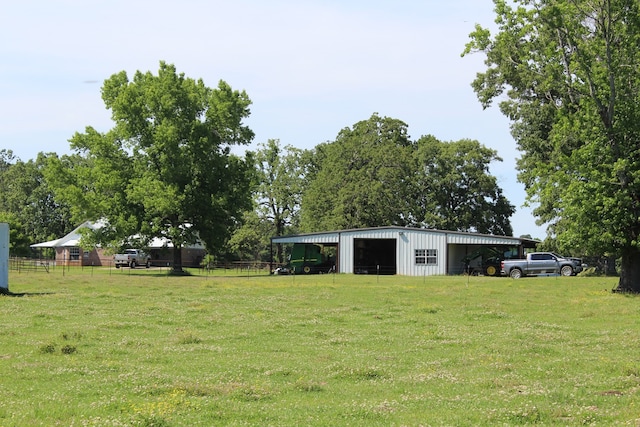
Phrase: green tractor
[311,258]
[485,261]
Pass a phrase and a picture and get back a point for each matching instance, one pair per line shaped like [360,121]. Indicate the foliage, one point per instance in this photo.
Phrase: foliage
[374,175]
[281,177]
[360,180]
[96,347]
[165,170]
[251,241]
[18,239]
[455,190]
[281,180]
[28,203]
[570,71]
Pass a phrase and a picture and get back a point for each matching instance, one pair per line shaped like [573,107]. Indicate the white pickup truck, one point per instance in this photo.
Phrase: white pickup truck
[538,263]
[132,258]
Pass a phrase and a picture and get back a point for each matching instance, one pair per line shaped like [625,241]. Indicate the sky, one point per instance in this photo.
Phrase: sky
[310,67]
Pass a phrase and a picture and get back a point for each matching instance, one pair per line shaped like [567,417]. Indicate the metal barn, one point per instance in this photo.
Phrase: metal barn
[406,251]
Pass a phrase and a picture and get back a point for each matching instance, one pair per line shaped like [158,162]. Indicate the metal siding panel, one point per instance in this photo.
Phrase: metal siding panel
[346,253]
[413,240]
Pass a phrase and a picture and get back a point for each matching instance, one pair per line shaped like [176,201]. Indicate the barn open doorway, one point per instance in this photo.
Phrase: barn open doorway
[375,256]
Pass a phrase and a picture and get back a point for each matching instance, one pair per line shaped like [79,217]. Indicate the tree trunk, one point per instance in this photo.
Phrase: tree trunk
[610,266]
[630,271]
[177,259]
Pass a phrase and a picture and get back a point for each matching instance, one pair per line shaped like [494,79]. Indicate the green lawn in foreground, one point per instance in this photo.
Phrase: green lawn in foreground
[104,348]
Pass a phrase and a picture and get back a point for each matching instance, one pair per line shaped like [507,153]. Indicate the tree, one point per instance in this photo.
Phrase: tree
[374,175]
[281,175]
[251,240]
[359,180]
[570,70]
[26,198]
[18,239]
[165,169]
[455,190]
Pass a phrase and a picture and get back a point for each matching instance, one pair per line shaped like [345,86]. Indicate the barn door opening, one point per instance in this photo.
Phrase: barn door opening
[375,256]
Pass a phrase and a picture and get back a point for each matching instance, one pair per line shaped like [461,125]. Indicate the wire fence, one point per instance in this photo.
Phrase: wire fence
[30,265]
[33,265]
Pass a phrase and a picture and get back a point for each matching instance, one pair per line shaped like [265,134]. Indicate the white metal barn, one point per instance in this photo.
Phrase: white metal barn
[405,251]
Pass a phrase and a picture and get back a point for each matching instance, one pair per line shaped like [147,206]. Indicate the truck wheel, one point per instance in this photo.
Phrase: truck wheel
[133,264]
[516,273]
[566,270]
[117,265]
[148,264]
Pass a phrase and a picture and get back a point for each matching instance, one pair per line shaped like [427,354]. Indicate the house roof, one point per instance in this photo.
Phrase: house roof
[73,239]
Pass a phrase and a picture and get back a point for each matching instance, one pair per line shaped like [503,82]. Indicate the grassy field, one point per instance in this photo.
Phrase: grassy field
[105,348]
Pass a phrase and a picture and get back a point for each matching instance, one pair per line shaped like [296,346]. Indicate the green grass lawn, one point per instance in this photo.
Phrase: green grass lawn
[99,347]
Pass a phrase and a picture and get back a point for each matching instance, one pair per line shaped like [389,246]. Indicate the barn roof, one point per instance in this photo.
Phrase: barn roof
[452,236]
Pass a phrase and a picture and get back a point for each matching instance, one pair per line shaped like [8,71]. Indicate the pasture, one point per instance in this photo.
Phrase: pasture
[104,348]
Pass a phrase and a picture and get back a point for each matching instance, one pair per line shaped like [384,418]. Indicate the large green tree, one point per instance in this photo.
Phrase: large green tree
[374,175]
[360,179]
[455,190]
[567,73]
[281,175]
[165,169]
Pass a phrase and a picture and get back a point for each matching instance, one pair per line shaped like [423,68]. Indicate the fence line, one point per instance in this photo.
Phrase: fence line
[21,264]
[30,264]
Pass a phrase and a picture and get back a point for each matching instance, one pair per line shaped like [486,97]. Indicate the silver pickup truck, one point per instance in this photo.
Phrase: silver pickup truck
[132,258]
[538,263]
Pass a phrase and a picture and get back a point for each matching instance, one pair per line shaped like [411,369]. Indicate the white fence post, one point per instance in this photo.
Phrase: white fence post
[4,256]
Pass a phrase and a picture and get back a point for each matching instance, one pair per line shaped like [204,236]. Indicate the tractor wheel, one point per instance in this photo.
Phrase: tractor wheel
[491,270]
[306,269]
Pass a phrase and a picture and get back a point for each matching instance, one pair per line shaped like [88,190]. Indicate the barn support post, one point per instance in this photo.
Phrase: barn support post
[271,256]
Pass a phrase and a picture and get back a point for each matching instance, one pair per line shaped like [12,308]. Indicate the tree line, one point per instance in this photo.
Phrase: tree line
[166,169]
[565,72]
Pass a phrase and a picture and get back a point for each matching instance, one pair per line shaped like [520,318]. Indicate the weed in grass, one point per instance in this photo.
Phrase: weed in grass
[68,349]
[71,336]
[48,348]
[254,392]
[150,421]
[430,309]
[307,385]
[188,337]
[524,416]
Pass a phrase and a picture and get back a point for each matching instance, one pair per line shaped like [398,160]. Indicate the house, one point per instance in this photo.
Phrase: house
[406,251]
[69,253]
